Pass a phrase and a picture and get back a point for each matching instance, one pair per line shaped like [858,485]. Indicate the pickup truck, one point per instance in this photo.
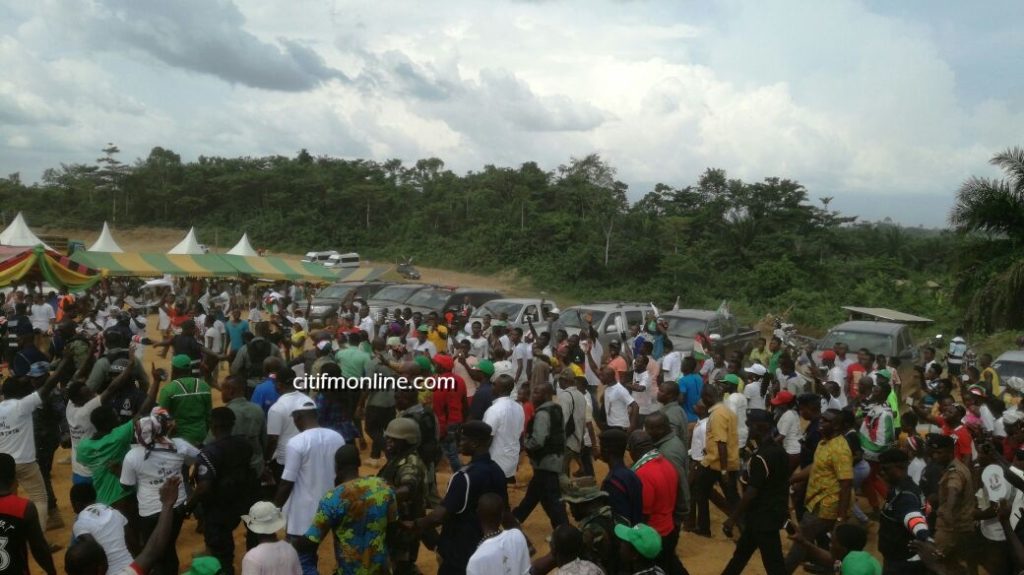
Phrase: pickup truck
[685,324]
[886,332]
[517,310]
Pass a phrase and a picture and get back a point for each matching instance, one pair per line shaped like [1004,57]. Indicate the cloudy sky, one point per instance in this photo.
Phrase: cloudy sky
[884,105]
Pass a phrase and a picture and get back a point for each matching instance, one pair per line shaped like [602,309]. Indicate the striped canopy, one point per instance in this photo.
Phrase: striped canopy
[204,265]
[39,263]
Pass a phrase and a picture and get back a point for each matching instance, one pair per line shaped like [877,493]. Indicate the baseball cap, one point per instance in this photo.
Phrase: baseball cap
[423,328]
[828,355]
[306,405]
[756,369]
[731,379]
[486,366]
[642,537]
[205,565]
[884,373]
[784,397]
[394,341]
[39,369]
[976,390]
[860,563]
[181,361]
[444,361]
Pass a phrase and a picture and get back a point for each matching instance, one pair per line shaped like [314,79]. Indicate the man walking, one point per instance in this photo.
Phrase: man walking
[764,506]
[722,456]
[661,490]
[545,444]
[902,519]
[506,418]
[407,475]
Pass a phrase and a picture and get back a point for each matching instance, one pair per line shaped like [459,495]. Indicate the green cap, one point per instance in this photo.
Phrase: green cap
[486,366]
[181,361]
[885,373]
[424,328]
[424,363]
[732,378]
[205,565]
[642,537]
[860,563]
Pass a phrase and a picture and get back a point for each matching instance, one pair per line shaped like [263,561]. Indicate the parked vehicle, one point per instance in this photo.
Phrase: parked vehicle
[685,324]
[1009,364]
[349,260]
[441,299]
[392,297]
[319,257]
[326,301]
[517,310]
[407,270]
[610,320]
[884,331]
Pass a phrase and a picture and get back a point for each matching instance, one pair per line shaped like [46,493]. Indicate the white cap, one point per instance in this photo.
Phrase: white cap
[756,369]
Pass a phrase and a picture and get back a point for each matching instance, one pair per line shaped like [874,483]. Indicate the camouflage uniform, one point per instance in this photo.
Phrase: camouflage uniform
[407,471]
[599,542]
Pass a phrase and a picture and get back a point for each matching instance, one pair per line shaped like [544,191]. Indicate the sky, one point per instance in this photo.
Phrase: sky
[885,106]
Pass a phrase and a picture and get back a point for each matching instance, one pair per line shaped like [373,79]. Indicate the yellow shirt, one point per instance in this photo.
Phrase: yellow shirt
[762,357]
[833,463]
[298,340]
[439,337]
[722,427]
[993,375]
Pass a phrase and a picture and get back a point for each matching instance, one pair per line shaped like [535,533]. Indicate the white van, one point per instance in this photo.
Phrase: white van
[319,257]
[349,260]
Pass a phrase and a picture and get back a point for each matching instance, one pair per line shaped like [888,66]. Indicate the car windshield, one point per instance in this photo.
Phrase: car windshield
[496,308]
[1007,369]
[430,298]
[685,326]
[397,293]
[334,292]
[572,319]
[874,342]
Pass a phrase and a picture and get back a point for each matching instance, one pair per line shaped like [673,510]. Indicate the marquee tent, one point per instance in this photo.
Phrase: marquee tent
[106,242]
[17,234]
[204,265]
[243,248]
[41,264]
[187,246]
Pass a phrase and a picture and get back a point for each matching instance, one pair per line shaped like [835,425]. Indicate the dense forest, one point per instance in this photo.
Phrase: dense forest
[765,246]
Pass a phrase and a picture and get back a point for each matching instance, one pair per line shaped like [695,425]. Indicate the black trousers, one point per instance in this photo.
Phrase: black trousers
[545,489]
[768,542]
[668,559]
[706,481]
[168,562]
[377,420]
[218,534]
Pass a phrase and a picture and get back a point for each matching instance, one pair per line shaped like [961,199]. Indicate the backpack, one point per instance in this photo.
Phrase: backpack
[257,350]
[555,443]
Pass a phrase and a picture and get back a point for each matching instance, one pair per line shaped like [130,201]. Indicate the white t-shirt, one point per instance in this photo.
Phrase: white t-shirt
[164,323]
[506,343]
[672,366]
[106,525]
[737,403]
[508,550]
[40,315]
[838,375]
[80,426]
[214,338]
[506,418]
[521,356]
[617,400]
[646,400]
[279,420]
[916,469]
[426,347]
[752,391]
[698,440]
[147,474]
[277,558]
[309,463]
[789,429]
[367,324]
[16,435]
[479,347]
[597,353]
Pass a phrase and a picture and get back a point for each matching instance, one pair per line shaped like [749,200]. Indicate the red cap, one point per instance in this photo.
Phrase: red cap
[783,398]
[828,355]
[444,361]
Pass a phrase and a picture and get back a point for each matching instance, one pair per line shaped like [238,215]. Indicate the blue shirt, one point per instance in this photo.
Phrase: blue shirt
[235,332]
[265,394]
[461,531]
[482,399]
[625,494]
[690,387]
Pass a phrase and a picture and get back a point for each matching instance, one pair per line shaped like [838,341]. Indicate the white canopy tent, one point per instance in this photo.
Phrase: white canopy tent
[17,234]
[243,247]
[188,246]
[106,242]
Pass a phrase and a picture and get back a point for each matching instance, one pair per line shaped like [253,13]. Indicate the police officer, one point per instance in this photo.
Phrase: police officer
[460,527]
[407,475]
[902,519]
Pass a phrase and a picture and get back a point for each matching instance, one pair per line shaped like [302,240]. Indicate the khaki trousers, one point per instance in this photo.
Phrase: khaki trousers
[30,479]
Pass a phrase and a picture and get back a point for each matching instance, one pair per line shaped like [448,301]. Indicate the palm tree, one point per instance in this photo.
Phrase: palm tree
[989,215]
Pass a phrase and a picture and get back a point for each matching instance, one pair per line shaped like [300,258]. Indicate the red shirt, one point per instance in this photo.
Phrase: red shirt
[964,447]
[527,413]
[853,374]
[448,402]
[661,486]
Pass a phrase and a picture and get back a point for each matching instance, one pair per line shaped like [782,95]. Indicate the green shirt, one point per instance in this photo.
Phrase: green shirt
[250,423]
[354,362]
[98,454]
[189,401]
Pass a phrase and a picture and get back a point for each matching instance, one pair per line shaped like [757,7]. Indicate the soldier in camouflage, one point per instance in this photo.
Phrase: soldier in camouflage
[589,507]
[407,475]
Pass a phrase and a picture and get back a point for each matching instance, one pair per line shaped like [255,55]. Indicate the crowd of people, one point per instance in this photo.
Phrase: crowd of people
[779,439]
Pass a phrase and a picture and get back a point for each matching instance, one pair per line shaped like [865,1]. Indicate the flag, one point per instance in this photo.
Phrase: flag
[676,306]
[723,309]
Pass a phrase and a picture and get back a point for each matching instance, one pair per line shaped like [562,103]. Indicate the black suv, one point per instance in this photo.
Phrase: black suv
[442,299]
[326,301]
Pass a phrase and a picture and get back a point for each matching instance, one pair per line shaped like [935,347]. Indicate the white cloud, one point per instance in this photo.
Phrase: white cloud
[844,99]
